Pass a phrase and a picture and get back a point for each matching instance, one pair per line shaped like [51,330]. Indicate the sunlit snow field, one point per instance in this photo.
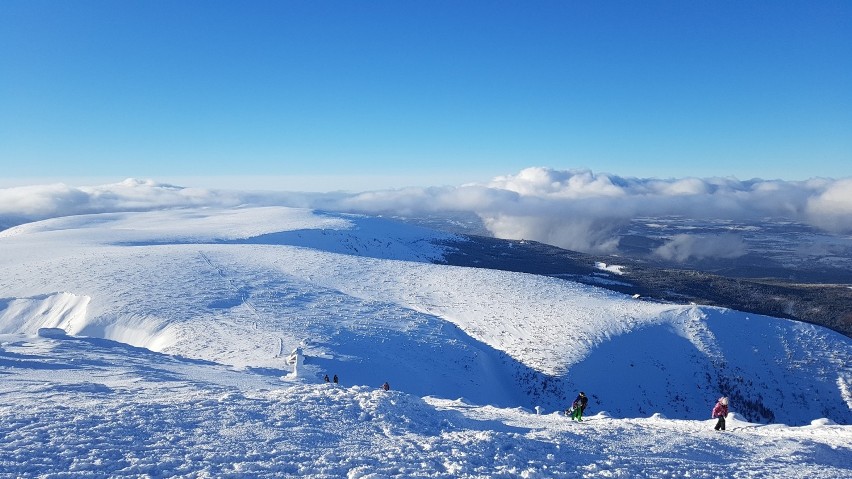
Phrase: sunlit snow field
[180,323]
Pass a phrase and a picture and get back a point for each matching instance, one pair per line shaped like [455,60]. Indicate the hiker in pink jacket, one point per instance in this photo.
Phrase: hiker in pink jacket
[720,411]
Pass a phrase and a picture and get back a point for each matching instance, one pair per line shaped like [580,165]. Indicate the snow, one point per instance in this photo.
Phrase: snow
[175,364]
[612,268]
[93,408]
[49,311]
[55,333]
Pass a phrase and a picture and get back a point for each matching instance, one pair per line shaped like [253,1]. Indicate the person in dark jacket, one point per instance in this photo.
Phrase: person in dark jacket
[578,406]
[720,411]
[386,386]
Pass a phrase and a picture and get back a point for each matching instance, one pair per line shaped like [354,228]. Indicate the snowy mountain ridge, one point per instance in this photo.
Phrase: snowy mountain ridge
[239,286]
[172,329]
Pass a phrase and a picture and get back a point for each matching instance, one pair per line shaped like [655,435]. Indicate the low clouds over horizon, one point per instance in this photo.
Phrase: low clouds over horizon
[574,209]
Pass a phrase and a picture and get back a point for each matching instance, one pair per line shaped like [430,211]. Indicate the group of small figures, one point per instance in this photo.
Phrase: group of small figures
[720,410]
[335,380]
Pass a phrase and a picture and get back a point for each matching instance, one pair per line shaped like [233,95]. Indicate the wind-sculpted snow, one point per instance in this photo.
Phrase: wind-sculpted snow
[90,408]
[28,315]
[245,286]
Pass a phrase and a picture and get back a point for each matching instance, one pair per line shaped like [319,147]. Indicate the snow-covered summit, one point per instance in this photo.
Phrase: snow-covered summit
[340,233]
[360,295]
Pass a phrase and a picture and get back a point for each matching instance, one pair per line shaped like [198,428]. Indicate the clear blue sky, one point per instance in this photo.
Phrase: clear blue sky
[426,91]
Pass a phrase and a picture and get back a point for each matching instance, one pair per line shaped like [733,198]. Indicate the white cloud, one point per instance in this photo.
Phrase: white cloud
[45,201]
[831,210]
[558,184]
[581,210]
[41,201]
[575,209]
[683,247]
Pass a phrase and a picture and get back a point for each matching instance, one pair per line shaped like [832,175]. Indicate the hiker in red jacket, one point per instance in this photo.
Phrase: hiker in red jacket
[721,411]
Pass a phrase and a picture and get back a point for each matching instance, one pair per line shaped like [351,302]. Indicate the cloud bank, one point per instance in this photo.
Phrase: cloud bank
[582,210]
[683,247]
[574,209]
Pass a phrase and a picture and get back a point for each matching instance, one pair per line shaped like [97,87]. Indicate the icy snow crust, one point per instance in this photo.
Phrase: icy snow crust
[220,297]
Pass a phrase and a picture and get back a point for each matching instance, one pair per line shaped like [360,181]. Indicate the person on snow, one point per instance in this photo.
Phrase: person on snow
[326,378]
[386,386]
[335,379]
[720,411]
[578,406]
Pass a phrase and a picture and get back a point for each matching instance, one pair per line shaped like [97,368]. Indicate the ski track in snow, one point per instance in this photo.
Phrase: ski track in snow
[216,297]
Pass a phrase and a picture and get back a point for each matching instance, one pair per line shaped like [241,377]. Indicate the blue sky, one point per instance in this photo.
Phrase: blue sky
[360,95]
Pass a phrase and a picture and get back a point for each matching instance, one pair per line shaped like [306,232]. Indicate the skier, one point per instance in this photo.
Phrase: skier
[386,386]
[720,410]
[326,378]
[578,406]
[335,379]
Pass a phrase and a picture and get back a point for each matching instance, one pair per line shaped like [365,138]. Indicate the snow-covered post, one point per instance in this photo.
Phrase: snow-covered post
[296,358]
[538,410]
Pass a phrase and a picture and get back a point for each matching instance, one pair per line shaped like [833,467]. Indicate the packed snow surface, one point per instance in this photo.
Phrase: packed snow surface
[179,324]
[86,407]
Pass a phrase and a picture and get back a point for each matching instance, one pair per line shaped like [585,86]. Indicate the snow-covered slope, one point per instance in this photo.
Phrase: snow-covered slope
[243,287]
[90,408]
